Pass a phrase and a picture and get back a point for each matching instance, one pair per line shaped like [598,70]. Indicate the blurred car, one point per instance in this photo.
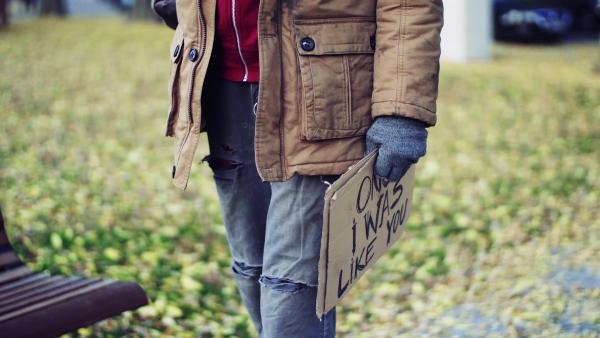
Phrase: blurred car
[531,20]
[544,20]
[586,14]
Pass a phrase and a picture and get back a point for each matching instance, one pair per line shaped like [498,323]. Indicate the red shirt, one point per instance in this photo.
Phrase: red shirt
[236,41]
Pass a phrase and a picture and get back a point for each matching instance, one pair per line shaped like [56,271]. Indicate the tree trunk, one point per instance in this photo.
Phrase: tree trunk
[4,13]
[142,11]
[56,7]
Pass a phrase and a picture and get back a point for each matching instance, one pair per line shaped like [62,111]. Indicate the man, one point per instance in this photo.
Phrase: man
[295,92]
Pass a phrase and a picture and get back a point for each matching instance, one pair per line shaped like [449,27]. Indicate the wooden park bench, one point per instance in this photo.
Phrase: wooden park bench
[38,305]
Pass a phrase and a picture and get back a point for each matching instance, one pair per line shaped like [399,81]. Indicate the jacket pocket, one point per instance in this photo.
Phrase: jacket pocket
[335,57]
[176,51]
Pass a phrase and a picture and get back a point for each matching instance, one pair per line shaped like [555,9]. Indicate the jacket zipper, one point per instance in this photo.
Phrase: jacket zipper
[202,50]
[281,143]
[237,40]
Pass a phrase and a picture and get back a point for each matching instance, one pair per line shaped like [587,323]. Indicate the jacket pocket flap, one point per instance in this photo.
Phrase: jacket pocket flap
[335,36]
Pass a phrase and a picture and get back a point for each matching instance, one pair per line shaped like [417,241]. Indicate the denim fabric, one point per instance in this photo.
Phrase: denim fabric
[273,229]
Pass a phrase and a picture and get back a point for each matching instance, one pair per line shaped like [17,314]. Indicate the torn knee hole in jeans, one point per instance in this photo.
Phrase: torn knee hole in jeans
[284,285]
[244,270]
[223,170]
[217,163]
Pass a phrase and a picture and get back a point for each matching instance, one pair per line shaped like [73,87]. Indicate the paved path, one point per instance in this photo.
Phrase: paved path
[76,8]
[95,8]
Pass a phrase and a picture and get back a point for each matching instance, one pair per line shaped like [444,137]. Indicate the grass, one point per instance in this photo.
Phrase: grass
[504,239]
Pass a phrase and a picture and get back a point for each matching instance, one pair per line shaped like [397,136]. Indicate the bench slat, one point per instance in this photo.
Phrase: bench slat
[75,293]
[32,293]
[64,286]
[14,274]
[15,292]
[23,281]
[74,310]
[37,305]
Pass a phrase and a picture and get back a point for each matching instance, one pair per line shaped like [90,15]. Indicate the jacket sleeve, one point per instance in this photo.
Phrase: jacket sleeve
[406,65]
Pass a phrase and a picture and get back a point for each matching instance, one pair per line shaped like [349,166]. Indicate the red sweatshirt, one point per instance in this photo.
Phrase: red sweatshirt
[236,41]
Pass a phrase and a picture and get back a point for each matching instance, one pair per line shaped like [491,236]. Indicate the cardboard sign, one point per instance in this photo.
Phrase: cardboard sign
[363,217]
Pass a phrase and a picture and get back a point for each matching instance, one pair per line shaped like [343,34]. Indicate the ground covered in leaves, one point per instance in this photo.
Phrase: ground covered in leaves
[504,240]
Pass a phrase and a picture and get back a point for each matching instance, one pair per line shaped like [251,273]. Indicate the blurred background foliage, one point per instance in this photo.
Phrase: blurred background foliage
[504,240]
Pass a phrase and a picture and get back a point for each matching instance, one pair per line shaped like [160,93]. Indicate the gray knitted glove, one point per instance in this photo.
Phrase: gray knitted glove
[401,142]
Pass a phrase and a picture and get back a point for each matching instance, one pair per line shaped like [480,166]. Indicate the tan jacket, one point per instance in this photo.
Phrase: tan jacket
[327,69]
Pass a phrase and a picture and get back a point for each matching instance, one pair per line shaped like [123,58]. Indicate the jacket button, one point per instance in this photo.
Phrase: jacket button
[373,42]
[176,51]
[193,54]
[307,44]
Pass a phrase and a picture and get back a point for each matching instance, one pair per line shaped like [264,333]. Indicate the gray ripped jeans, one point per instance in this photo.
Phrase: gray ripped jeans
[273,229]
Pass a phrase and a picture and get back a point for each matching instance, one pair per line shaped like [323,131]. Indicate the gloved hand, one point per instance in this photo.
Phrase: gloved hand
[167,10]
[401,142]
